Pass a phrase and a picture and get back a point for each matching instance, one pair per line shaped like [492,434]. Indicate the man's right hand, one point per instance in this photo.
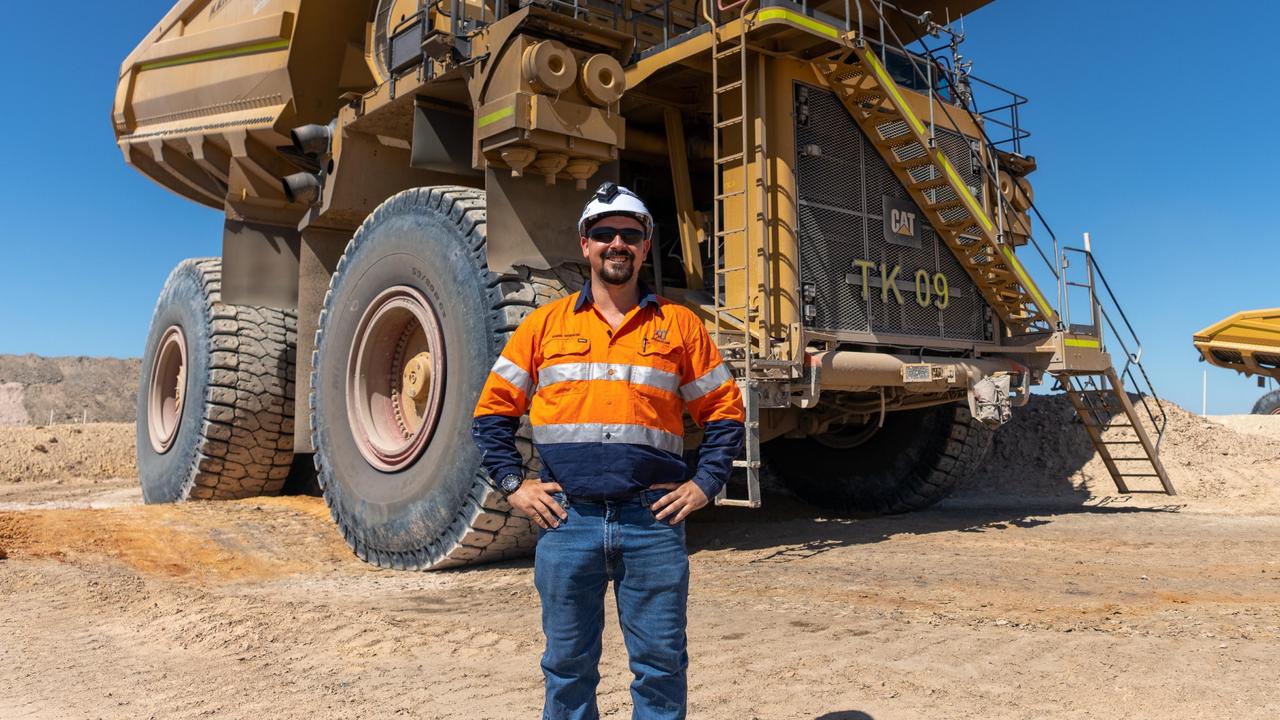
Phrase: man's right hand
[533,500]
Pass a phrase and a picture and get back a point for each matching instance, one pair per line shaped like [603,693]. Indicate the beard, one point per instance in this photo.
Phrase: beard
[615,273]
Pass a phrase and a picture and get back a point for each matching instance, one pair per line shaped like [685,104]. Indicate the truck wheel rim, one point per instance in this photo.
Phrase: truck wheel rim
[168,385]
[395,378]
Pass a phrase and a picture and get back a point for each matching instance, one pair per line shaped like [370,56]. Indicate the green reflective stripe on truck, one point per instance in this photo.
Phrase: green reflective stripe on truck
[1041,304]
[963,191]
[217,54]
[888,84]
[496,115]
[1078,342]
[796,18]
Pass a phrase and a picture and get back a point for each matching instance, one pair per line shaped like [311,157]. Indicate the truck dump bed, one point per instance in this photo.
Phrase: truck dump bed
[1247,342]
[205,101]
[204,104]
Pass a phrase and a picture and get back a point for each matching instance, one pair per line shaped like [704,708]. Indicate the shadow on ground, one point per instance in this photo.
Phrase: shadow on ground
[800,531]
[1031,475]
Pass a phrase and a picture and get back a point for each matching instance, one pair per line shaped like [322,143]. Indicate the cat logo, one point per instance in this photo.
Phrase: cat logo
[903,222]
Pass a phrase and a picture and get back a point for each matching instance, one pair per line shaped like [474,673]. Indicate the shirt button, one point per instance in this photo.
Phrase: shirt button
[608,436]
[610,371]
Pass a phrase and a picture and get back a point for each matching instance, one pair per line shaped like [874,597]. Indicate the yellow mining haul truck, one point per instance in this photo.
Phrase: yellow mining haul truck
[400,179]
[1249,343]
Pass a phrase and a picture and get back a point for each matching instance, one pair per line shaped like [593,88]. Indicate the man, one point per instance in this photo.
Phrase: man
[605,375]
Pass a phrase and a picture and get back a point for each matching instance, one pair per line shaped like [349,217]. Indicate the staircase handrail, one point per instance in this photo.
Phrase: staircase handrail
[985,172]
[1143,385]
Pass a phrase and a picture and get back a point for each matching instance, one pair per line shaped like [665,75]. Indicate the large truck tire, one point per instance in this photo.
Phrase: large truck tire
[215,400]
[1268,404]
[912,462]
[412,323]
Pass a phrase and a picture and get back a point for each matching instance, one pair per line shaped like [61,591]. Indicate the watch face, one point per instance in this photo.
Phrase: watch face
[510,484]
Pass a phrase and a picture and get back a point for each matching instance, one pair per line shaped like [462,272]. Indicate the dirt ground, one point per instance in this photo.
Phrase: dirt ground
[1035,592]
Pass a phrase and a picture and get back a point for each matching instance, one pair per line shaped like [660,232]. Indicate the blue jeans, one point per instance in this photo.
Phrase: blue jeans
[622,541]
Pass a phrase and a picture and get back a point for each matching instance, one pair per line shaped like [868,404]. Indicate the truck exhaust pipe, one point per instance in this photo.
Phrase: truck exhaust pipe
[312,140]
[302,187]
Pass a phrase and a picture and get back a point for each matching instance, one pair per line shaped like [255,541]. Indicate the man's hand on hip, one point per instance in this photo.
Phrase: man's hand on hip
[683,499]
[533,499]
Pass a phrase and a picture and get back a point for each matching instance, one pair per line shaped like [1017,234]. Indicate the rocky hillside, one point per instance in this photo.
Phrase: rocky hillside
[34,388]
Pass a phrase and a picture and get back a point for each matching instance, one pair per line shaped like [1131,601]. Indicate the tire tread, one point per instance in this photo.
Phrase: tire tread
[484,528]
[245,446]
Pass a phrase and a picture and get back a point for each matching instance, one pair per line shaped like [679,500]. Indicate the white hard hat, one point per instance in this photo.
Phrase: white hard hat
[613,199]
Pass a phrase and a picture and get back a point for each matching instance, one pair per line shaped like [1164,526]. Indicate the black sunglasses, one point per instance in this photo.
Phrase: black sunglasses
[605,234]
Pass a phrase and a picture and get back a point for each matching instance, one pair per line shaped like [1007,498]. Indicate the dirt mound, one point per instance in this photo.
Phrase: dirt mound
[227,541]
[34,388]
[1044,451]
[62,452]
[1265,425]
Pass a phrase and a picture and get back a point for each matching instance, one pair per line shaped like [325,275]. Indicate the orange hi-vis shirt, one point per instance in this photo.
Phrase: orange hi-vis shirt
[606,406]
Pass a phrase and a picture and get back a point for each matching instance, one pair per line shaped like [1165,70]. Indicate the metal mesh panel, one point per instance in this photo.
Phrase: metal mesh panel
[953,214]
[842,237]
[893,128]
[842,182]
[958,150]
[878,179]
[830,152]
[967,315]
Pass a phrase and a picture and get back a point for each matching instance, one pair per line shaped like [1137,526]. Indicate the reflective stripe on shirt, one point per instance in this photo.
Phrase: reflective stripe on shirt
[634,374]
[513,374]
[705,384]
[608,433]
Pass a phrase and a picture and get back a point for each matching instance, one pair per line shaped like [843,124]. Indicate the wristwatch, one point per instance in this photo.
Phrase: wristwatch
[509,483]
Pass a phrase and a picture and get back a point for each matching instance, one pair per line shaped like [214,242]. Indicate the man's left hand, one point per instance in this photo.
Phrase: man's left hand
[683,499]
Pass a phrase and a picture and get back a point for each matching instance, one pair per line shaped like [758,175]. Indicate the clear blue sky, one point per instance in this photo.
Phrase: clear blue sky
[1139,122]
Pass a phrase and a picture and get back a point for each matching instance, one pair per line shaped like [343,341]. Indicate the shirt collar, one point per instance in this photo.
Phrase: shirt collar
[647,296]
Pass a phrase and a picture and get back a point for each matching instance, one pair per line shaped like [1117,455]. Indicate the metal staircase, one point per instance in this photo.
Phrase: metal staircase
[976,234]
[733,154]
[1099,393]
[909,146]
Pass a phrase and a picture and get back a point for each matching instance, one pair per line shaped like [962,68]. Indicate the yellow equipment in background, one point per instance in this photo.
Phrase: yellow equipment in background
[1249,343]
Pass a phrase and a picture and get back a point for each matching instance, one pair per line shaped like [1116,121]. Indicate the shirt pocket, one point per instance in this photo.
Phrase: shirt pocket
[565,368]
[656,386]
[665,356]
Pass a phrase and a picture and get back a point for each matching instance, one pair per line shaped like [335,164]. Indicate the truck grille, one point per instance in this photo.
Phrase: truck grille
[842,183]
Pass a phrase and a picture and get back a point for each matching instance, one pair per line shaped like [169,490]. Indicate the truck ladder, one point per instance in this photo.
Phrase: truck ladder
[731,113]
[751,451]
